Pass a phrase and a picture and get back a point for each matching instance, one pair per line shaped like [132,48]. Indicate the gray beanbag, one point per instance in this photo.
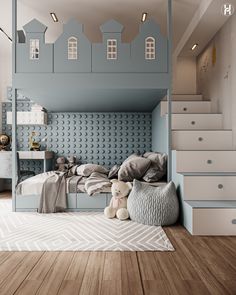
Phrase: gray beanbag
[153,205]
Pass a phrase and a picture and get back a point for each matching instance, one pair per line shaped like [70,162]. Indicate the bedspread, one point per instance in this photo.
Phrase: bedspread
[96,183]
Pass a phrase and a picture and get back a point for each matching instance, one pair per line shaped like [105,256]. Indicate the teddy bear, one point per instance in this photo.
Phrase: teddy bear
[61,164]
[118,203]
[71,161]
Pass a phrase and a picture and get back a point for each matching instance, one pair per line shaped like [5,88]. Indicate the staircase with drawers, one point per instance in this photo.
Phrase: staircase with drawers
[204,166]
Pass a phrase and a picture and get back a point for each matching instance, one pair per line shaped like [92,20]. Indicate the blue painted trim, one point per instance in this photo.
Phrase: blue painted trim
[169,115]
[14,104]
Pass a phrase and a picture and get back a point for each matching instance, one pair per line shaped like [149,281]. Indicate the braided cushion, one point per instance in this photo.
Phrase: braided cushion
[153,205]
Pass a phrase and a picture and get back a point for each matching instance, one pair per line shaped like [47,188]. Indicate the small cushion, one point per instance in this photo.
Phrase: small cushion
[157,168]
[113,173]
[134,167]
[88,169]
[153,205]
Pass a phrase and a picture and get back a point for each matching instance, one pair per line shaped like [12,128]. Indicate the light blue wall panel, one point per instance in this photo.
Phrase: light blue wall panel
[103,138]
[84,51]
[159,131]
[43,65]
[100,63]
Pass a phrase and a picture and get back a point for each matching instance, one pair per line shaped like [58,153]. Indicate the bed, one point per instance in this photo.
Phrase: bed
[88,186]
[136,82]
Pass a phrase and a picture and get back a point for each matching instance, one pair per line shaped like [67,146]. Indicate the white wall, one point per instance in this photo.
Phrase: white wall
[218,82]
[184,76]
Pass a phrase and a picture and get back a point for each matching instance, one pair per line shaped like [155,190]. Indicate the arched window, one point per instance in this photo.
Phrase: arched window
[111,49]
[150,50]
[72,48]
[34,48]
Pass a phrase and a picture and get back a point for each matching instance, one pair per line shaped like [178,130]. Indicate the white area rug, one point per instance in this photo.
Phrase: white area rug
[83,231]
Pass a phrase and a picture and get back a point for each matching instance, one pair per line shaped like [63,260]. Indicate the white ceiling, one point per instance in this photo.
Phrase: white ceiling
[92,13]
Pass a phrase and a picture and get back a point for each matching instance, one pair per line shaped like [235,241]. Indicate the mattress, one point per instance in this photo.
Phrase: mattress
[33,185]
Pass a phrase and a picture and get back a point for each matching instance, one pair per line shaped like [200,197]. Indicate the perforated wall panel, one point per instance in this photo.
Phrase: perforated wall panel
[102,138]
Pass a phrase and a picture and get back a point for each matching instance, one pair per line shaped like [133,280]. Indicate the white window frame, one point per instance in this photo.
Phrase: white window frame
[111,49]
[72,48]
[150,48]
[34,49]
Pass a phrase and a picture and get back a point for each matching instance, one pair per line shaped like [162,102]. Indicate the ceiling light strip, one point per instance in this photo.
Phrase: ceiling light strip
[144,17]
[54,17]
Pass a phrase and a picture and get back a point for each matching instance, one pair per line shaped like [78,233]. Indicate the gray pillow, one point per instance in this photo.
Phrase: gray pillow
[157,168]
[133,167]
[113,173]
[88,169]
[153,205]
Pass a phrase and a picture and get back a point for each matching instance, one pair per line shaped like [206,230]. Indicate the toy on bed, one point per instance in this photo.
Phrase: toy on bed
[118,204]
[61,164]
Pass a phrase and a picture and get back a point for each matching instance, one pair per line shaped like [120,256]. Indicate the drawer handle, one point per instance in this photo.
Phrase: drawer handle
[220,186]
[185,109]
[209,161]
[193,122]
[234,221]
[200,139]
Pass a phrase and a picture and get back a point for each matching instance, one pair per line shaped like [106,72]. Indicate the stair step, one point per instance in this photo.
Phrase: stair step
[210,217]
[184,97]
[187,107]
[220,187]
[202,140]
[197,121]
[205,161]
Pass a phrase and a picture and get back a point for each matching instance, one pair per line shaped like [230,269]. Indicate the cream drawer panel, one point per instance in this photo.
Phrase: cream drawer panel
[197,121]
[205,161]
[210,188]
[202,140]
[214,221]
[187,107]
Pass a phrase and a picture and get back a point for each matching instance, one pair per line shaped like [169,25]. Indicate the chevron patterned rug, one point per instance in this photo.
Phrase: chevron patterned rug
[83,231]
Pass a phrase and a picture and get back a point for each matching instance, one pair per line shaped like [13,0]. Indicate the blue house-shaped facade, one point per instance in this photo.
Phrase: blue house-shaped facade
[72,50]
[112,55]
[34,55]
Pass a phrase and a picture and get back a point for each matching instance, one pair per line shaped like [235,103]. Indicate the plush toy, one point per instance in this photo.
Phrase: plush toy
[118,204]
[71,161]
[61,164]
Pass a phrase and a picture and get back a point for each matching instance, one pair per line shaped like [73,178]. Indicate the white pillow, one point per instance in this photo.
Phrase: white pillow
[88,169]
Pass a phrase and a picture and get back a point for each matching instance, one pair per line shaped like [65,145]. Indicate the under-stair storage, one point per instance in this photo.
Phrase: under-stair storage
[202,140]
[220,187]
[187,107]
[211,217]
[205,162]
[196,121]
[204,167]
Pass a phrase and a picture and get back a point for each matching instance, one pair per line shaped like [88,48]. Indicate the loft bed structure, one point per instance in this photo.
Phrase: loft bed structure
[75,75]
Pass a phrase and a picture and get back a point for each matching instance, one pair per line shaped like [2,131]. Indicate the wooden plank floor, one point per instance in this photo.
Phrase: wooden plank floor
[200,265]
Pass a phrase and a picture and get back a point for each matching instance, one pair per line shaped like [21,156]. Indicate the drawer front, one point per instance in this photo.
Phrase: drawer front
[6,164]
[97,202]
[205,161]
[210,188]
[211,221]
[71,201]
[202,140]
[196,121]
[185,107]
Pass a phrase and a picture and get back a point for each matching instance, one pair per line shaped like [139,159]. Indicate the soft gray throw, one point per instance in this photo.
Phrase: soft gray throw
[53,196]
